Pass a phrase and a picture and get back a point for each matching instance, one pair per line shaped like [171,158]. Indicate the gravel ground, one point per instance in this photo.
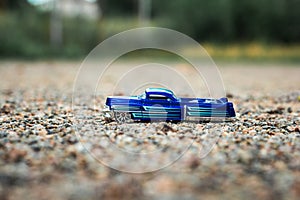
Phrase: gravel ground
[43,156]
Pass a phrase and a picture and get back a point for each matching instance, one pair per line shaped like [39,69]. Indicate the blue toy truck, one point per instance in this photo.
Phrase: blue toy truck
[160,104]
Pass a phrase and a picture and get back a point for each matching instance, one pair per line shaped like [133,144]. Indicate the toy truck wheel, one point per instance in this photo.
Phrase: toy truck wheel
[122,117]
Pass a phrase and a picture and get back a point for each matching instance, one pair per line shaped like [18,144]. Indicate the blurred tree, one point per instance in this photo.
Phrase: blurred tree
[201,19]
[232,20]
[56,26]
[111,8]
[290,32]
[13,4]
[144,11]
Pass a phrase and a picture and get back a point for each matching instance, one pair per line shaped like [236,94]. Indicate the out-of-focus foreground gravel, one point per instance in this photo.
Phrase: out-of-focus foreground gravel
[41,157]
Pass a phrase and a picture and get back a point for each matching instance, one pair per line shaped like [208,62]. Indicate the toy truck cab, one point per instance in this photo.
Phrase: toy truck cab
[153,96]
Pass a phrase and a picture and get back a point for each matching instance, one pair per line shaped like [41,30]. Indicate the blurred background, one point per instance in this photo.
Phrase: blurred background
[228,29]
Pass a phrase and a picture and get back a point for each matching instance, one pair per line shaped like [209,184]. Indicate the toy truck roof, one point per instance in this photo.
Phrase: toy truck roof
[158,91]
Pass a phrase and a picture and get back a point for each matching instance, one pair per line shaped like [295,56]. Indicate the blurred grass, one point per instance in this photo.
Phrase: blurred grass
[254,51]
[251,51]
[259,53]
[114,25]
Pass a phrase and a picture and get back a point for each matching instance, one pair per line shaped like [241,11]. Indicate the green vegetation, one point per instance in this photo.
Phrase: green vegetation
[30,38]
[254,52]
[226,21]
[228,29]
[231,52]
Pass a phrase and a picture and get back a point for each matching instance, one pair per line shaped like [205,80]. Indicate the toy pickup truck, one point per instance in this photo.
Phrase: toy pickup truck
[160,104]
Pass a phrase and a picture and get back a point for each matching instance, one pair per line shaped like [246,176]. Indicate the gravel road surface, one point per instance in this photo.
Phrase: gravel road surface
[44,156]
